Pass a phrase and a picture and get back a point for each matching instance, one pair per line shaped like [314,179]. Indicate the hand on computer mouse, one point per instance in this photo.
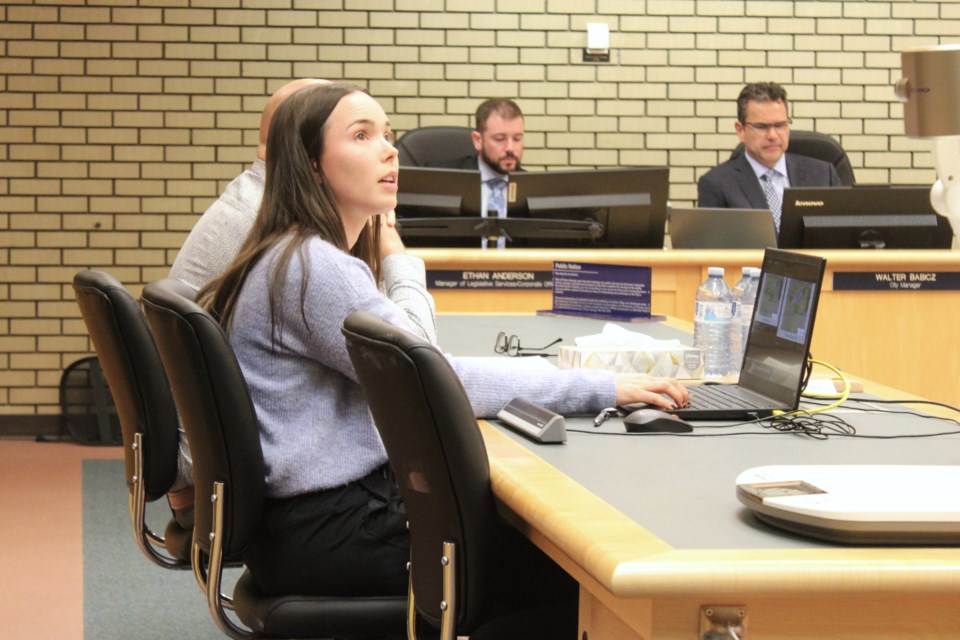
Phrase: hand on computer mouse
[654,421]
[665,393]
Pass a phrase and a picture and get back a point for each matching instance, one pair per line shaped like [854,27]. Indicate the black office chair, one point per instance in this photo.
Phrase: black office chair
[145,407]
[228,466]
[820,146]
[428,146]
[437,453]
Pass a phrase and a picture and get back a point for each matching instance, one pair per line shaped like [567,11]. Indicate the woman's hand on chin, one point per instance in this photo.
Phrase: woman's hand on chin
[390,241]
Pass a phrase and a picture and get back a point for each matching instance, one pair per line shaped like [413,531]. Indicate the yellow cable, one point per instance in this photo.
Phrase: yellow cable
[841,397]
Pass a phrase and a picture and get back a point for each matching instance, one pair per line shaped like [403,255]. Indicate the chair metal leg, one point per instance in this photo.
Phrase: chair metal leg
[150,543]
[448,607]
[411,609]
[216,601]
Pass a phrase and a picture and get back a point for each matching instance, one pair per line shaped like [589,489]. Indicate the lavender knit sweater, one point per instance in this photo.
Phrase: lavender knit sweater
[315,425]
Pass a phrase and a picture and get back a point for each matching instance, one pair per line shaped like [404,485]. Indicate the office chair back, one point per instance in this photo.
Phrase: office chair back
[820,146]
[145,407]
[430,146]
[223,431]
[216,410]
[436,450]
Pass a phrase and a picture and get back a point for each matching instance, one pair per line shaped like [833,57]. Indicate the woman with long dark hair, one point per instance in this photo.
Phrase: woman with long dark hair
[324,246]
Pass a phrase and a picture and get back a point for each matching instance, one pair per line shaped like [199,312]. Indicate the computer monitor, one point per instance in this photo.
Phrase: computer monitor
[861,217]
[621,207]
[578,208]
[430,192]
[439,207]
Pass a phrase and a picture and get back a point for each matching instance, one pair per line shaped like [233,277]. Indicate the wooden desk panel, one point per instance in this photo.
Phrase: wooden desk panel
[904,339]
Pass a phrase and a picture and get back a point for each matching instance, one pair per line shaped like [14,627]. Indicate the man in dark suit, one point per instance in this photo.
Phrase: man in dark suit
[498,140]
[756,179]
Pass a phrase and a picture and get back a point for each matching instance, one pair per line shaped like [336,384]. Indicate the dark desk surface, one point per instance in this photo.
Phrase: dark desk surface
[682,488]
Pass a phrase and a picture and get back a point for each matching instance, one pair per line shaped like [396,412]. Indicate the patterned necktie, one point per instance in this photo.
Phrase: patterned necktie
[498,203]
[773,198]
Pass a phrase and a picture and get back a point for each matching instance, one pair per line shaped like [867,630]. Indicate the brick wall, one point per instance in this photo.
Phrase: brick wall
[120,120]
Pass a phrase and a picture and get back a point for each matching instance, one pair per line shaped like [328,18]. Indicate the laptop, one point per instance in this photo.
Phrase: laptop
[776,352]
[705,228]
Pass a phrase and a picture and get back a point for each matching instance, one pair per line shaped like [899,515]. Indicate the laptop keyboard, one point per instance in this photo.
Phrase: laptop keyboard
[724,396]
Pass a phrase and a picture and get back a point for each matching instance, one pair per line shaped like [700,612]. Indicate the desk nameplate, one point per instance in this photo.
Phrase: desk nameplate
[489,279]
[896,280]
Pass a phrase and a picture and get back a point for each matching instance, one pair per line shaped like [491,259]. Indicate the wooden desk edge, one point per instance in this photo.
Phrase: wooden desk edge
[629,561]
[855,260]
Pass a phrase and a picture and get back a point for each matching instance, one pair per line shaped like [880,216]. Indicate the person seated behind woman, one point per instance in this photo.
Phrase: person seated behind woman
[323,240]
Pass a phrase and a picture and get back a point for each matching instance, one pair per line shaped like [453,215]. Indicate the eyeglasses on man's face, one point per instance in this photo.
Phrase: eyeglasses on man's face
[763,127]
[510,345]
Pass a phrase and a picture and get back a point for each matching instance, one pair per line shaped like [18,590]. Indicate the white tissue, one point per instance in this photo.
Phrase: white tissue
[616,337]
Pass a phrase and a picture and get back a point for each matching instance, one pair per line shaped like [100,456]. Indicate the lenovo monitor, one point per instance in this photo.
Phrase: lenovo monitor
[861,217]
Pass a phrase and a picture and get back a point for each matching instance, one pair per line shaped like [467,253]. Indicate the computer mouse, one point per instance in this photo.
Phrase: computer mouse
[654,421]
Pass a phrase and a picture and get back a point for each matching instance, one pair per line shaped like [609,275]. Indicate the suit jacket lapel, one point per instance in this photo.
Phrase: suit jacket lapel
[796,172]
[748,183]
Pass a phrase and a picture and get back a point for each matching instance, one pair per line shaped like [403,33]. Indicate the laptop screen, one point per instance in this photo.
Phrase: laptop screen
[704,228]
[782,325]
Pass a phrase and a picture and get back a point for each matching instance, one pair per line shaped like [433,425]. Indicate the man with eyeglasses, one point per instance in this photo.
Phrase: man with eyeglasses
[756,179]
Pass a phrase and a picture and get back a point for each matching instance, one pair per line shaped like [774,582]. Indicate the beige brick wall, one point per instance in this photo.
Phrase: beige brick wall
[122,120]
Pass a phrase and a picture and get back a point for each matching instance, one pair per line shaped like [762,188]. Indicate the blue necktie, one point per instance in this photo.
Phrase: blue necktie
[498,203]
[497,200]
[773,198]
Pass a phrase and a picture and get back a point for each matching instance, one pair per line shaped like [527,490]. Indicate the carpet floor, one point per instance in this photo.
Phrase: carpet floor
[125,595]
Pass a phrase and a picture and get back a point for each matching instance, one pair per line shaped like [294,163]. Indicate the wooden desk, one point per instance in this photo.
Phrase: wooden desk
[907,340]
[651,528]
[636,585]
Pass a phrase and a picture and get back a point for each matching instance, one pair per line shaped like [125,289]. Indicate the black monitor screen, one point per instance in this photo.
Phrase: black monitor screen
[626,206]
[865,217]
[580,208]
[427,192]
[438,207]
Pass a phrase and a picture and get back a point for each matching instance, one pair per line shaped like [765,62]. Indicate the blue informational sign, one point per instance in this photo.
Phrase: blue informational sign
[897,281]
[601,290]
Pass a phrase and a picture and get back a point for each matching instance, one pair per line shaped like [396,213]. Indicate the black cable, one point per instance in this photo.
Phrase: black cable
[907,412]
[930,402]
[818,427]
[678,435]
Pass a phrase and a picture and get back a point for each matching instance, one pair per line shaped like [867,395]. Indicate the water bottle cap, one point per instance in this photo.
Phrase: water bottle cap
[746,271]
[715,271]
[755,272]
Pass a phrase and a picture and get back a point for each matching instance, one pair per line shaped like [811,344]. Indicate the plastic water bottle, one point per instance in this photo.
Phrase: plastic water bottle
[747,302]
[711,324]
[736,321]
